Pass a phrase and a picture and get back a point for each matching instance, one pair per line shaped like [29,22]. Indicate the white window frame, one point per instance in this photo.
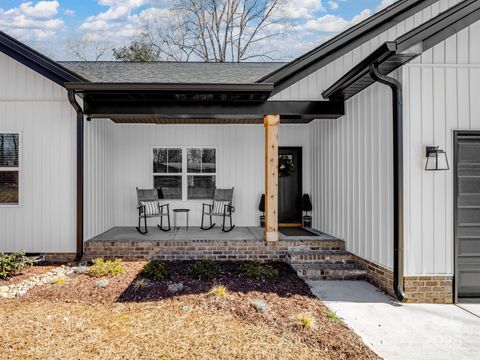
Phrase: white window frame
[17,168]
[184,174]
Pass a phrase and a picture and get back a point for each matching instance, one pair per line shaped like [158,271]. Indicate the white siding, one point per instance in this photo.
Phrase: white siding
[312,86]
[352,175]
[38,108]
[99,174]
[441,94]
[126,163]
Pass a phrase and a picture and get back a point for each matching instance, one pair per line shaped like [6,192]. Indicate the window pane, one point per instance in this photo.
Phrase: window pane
[194,160]
[159,160]
[201,187]
[171,186]
[8,150]
[8,187]
[208,161]
[174,160]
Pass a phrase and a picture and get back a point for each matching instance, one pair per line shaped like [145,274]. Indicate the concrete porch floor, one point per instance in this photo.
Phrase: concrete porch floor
[129,233]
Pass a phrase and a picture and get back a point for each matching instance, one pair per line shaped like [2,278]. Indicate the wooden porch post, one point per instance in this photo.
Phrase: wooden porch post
[271,123]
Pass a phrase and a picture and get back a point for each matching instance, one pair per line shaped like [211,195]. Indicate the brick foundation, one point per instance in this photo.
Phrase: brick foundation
[418,289]
[377,275]
[203,249]
[59,257]
[429,289]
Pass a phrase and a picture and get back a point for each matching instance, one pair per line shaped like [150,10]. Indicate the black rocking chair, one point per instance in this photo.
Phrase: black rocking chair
[222,205]
[151,195]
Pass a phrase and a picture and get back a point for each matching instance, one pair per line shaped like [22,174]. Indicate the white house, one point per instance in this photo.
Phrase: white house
[356,115]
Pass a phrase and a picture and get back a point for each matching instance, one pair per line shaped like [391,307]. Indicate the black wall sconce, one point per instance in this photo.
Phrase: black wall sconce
[436,159]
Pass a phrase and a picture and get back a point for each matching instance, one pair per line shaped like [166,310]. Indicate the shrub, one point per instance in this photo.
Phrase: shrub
[102,268]
[203,270]
[10,264]
[154,270]
[306,321]
[218,291]
[258,271]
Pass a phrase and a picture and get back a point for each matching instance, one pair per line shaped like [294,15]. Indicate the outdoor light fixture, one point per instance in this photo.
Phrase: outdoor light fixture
[436,159]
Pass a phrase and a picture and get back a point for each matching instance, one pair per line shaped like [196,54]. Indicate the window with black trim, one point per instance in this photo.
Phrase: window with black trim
[185,173]
[9,168]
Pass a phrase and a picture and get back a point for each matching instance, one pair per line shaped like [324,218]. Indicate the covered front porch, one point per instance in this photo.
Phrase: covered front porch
[144,136]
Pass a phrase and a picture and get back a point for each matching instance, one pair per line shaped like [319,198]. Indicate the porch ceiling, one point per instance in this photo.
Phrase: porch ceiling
[195,103]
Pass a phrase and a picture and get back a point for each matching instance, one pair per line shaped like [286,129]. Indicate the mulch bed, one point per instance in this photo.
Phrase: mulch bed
[287,297]
[26,273]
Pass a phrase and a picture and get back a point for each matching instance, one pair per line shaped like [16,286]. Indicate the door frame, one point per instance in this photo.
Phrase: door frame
[300,172]
[456,134]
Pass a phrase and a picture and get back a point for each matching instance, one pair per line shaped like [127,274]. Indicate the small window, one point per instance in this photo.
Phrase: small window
[168,161]
[9,168]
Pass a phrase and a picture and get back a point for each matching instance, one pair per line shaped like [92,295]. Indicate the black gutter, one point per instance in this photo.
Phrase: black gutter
[36,61]
[398,233]
[170,87]
[80,169]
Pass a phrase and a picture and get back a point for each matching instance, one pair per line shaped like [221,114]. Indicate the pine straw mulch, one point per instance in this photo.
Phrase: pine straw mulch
[75,320]
[26,273]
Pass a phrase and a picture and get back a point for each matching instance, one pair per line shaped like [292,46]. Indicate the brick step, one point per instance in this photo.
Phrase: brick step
[333,244]
[323,256]
[329,271]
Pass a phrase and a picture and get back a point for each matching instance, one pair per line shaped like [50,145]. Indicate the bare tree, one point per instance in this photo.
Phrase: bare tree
[87,50]
[215,30]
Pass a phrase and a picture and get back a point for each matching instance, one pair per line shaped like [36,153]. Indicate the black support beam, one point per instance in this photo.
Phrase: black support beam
[215,109]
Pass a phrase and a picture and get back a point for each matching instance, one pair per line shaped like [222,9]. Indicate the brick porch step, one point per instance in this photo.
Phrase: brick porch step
[329,271]
[324,256]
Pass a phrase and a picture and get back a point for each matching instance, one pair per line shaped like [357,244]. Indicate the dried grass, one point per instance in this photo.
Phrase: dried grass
[149,331]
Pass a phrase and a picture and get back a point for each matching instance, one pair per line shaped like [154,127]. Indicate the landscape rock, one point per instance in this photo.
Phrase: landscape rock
[259,305]
[175,287]
[102,283]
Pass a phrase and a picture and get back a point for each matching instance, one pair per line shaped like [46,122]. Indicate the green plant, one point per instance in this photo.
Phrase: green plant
[333,316]
[10,264]
[140,284]
[306,321]
[258,271]
[154,270]
[203,270]
[218,291]
[58,281]
[102,268]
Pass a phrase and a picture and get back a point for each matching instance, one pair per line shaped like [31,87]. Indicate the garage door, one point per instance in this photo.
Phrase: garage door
[467,227]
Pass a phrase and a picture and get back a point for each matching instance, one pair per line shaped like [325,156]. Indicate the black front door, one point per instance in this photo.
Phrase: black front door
[289,184]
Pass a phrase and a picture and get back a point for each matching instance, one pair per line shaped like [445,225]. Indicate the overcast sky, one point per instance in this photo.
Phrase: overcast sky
[46,24]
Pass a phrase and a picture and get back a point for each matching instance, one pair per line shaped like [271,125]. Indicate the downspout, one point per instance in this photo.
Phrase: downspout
[79,200]
[398,236]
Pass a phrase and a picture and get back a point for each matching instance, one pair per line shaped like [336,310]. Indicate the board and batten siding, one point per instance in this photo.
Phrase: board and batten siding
[441,94]
[119,159]
[39,110]
[351,176]
[312,86]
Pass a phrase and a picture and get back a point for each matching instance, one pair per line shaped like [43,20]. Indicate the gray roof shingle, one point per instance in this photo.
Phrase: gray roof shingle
[171,72]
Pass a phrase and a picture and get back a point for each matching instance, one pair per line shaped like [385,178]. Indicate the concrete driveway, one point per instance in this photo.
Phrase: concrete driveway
[402,331]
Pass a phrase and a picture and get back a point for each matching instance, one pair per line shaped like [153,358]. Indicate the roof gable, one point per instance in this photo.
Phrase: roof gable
[343,43]
[36,61]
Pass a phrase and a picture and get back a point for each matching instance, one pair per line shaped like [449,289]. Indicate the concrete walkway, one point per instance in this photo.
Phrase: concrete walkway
[402,331]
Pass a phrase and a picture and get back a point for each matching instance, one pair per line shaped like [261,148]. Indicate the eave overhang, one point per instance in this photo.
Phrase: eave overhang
[195,103]
[353,37]
[36,61]
[392,55]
